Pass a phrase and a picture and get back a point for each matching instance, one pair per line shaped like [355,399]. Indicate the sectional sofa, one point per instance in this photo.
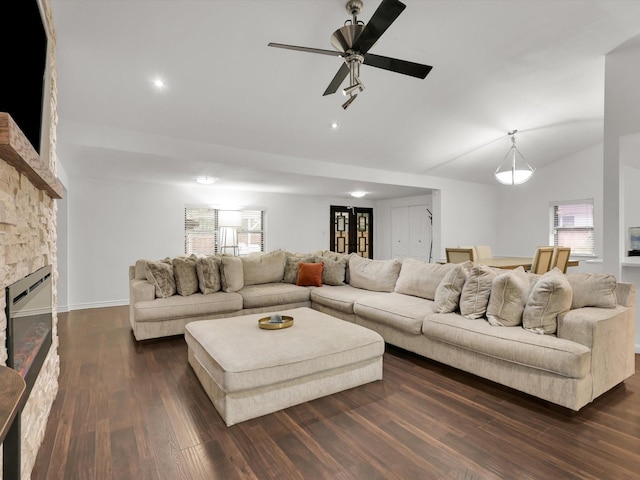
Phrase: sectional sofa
[564,338]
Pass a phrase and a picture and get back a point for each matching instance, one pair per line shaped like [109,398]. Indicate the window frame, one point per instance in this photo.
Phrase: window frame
[589,230]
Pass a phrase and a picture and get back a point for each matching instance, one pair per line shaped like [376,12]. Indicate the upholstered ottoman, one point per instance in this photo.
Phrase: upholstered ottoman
[248,372]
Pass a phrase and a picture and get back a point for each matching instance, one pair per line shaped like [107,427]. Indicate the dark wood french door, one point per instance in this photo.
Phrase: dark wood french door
[351,230]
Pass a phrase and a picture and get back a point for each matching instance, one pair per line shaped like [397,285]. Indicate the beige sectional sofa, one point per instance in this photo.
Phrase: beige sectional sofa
[563,338]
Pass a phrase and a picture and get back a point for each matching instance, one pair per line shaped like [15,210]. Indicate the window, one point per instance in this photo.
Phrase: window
[202,231]
[571,225]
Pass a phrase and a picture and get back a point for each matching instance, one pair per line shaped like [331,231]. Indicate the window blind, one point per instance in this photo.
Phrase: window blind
[572,226]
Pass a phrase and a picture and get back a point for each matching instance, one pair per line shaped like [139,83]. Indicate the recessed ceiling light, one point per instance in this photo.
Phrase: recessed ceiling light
[159,83]
[334,125]
[358,194]
[206,180]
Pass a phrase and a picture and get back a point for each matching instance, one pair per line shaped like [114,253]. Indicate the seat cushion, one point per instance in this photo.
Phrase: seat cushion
[270,294]
[178,306]
[404,312]
[513,344]
[339,298]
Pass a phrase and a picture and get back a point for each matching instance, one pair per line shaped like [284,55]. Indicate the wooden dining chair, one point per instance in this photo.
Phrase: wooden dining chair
[483,251]
[460,255]
[560,258]
[542,260]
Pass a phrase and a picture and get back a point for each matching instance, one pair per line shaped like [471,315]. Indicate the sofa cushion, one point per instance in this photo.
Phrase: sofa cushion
[474,297]
[404,312]
[266,268]
[421,279]
[208,272]
[515,345]
[550,297]
[592,290]
[340,298]
[310,274]
[291,266]
[160,275]
[374,275]
[272,294]
[334,271]
[509,293]
[231,273]
[194,305]
[184,271]
[447,296]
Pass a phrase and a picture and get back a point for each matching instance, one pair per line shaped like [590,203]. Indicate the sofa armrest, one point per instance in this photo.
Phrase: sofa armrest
[610,334]
[141,290]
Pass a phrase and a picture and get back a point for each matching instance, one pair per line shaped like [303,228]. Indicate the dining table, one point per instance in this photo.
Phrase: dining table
[514,262]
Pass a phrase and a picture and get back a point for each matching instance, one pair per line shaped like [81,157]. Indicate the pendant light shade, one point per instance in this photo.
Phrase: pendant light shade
[514,169]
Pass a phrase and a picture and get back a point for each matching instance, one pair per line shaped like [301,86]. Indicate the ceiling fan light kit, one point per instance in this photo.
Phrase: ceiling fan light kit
[514,169]
[352,43]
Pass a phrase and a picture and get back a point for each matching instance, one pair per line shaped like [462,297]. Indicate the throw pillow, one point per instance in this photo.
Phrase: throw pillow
[265,268]
[421,279]
[208,271]
[160,275]
[448,292]
[475,292]
[291,266]
[184,271]
[374,275]
[334,271]
[550,297]
[310,274]
[231,273]
[593,290]
[509,293]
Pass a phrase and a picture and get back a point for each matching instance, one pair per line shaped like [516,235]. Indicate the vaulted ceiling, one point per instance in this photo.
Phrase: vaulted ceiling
[255,116]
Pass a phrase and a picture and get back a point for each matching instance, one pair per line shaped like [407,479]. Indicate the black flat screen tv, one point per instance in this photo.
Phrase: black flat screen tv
[24,57]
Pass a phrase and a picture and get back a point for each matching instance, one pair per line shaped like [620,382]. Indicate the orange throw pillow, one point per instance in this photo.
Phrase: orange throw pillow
[310,274]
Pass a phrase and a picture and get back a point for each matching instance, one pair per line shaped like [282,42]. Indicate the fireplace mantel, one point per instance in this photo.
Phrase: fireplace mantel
[17,151]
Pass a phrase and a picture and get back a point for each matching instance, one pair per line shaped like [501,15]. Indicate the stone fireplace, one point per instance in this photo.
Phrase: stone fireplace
[28,190]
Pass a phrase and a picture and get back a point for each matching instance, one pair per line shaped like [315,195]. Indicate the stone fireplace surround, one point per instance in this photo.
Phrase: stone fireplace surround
[28,189]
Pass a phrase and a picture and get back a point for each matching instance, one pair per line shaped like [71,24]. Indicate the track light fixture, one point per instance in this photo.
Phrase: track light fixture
[346,104]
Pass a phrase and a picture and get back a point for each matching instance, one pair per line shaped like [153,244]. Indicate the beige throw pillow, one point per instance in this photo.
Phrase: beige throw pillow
[447,296]
[334,271]
[509,293]
[160,275]
[292,265]
[231,273]
[420,278]
[208,271]
[374,275]
[184,271]
[475,292]
[266,268]
[550,297]
[593,290]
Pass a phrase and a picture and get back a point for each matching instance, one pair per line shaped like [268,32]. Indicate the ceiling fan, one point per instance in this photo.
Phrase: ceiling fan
[353,41]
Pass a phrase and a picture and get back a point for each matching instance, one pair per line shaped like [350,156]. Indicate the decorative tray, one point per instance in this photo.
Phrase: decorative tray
[275,322]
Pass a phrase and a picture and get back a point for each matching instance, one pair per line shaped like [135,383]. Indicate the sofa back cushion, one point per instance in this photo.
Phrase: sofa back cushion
[593,290]
[421,279]
[208,272]
[267,268]
[374,275]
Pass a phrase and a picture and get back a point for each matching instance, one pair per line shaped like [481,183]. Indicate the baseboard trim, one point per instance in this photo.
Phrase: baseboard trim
[84,306]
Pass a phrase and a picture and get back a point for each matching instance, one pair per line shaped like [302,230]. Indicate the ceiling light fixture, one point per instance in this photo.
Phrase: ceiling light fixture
[349,90]
[206,180]
[346,104]
[334,125]
[514,169]
[358,194]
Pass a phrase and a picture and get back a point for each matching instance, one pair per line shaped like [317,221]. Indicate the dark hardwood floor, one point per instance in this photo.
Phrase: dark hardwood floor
[128,410]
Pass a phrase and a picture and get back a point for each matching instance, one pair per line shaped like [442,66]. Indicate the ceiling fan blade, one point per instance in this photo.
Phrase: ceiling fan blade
[337,80]
[332,53]
[399,66]
[381,19]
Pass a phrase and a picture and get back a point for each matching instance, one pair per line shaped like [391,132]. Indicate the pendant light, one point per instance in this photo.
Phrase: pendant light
[514,169]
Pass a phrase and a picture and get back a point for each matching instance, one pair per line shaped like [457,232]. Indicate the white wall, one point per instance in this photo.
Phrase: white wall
[524,209]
